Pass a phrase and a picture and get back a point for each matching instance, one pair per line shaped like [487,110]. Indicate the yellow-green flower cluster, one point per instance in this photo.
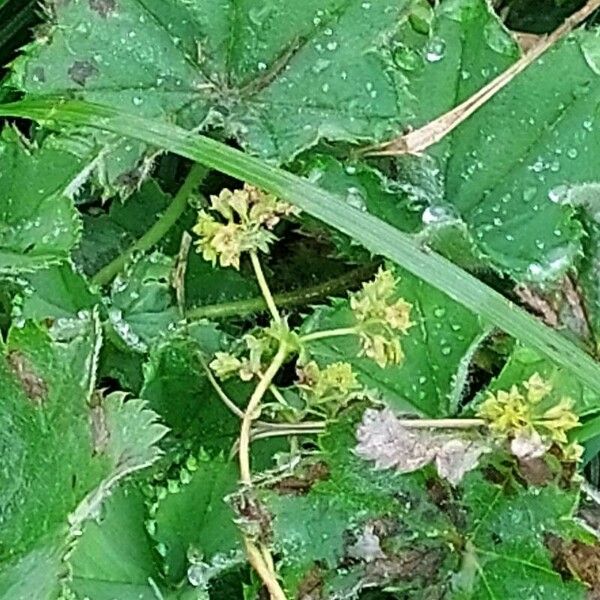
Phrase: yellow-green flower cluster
[381,317]
[227,364]
[250,357]
[329,389]
[249,216]
[528,412]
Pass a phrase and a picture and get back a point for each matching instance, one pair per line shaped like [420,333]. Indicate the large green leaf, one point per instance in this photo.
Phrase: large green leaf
[176,387]
[243,68]
[437,350]
[114,558]
[62,449]
[195,519]
[504,167]
[38,222]
[313,532]
[506,532]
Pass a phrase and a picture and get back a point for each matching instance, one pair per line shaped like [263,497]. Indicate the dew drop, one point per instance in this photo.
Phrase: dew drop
[435,49]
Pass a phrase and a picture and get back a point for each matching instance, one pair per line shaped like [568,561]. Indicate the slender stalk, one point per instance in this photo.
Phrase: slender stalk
[227,401]
[264,287]
[301,297]
[278,395]
[261,425]
[379,237]
[157,231]
[256,559]
[441,423]
[252,408]
[261,435]
[328,333]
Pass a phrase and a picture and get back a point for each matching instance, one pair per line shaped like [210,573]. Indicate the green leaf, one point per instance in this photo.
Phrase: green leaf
[312,533]
[505,555]
[39,224]
[56,292]
[206,285]
[241,68]
[107,235]
[46,438]
[504,167]
[143,302]
[374,234]
[114,558]
[437,351]
[176,387]
[363,188]
[62,450]
[196,519]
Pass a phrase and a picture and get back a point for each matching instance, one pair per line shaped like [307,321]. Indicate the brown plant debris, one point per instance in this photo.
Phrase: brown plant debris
[383,438]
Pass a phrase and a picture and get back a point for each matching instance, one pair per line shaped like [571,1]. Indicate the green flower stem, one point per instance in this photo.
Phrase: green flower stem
[227,401]
[251,410]
[328,333]
[301,297]
[278,395]
[441,423]
[264,287]
[292,431]
[158,230]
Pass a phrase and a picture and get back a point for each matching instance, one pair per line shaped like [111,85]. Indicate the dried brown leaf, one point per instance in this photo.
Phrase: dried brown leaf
[385,440]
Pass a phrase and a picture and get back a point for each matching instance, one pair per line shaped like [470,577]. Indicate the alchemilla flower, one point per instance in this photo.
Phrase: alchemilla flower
[327,389]
[249,216]
[531,419]
[382,317]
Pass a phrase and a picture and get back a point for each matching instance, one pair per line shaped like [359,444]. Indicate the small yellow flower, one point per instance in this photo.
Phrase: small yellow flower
[397,316]
[573,452]
[537,388]
[382,349]
[371,302]
[225,365]
[514,416]
[249,216]
[559,419]
[336,378]
[327,390]
[506,412]
[228,245]
[381,318]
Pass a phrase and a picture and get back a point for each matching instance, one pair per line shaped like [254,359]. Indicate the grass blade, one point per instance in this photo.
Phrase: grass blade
[376,235]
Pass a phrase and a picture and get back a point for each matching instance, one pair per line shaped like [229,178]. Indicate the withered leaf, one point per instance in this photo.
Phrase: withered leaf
[383,439]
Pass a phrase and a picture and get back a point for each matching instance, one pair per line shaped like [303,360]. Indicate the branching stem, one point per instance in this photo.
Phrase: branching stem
[299,297]
[158,230]
[264,287]
[257,560]
[252,409]
[328,333]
